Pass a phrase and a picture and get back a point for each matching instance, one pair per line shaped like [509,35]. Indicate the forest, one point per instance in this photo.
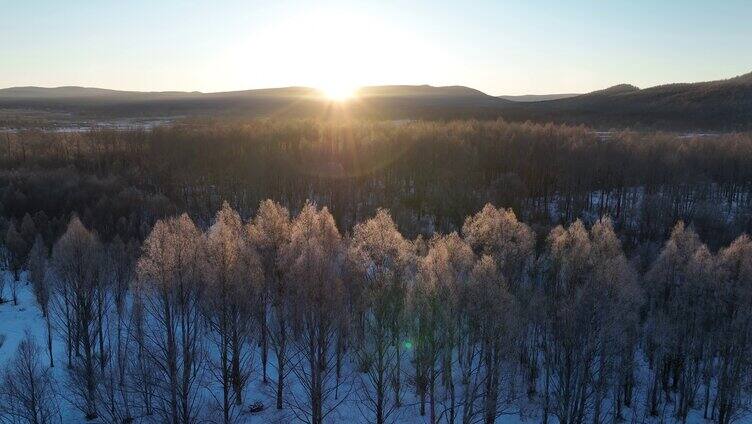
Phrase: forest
[429,174]
[311,270]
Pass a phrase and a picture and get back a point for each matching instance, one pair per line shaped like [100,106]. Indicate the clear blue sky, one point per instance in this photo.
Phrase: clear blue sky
[500,47]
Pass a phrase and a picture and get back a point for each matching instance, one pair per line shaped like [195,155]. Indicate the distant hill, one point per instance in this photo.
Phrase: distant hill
[713,105]
[388,102]
[71,92]
[717,105]
[420,91]
[538,97]
[384,91]
[89,92]
[416,101]
[56,92]
[614,90]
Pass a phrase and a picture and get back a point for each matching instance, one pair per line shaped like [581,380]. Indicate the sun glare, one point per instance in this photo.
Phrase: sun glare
[334,51]
[339,92]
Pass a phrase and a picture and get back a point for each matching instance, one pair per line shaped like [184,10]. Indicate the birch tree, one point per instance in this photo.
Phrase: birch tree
[312,261]
[269,234]
[380,258]
[231,271]
[169,284]
[441,297]
[41,284]
[77,266]
[734,330]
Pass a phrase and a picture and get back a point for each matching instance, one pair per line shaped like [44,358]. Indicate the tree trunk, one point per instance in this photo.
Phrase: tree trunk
[49,340]
[281,364]
[264,344]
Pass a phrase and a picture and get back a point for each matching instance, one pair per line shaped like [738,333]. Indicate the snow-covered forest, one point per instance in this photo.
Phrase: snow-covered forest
[441,272]
[283,318]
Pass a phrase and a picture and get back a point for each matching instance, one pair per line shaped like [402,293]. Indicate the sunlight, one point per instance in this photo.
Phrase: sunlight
[333,51]
[339,92]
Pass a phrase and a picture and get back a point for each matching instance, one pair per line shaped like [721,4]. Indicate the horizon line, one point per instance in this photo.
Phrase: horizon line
[283,87]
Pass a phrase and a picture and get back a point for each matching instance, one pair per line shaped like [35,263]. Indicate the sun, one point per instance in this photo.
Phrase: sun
[339,92]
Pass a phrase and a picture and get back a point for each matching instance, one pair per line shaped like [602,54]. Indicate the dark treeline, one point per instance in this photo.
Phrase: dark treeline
[429,174]
[460,327]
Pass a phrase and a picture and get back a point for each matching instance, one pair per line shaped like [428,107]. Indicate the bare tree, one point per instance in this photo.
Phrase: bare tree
[76,263]
[41,284]
[4,264]
[144,374]
[118,382]
[28,393]
[16,249]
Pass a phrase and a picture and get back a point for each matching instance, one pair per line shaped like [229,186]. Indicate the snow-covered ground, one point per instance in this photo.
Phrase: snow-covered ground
[82,126]
[16,320]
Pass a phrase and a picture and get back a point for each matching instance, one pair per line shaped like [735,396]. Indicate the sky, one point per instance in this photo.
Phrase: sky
[499,47]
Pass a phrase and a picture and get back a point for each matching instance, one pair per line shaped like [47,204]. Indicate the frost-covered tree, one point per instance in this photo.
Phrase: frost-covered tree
[77,266]
[441,310]
[312,262]
[380,260]
[269,234]
[677,289]
[464,320]
[591,299]
[511,243]
[170,288]
[617,299]
[231,272]
[498,233]
[733,327]
[494,314]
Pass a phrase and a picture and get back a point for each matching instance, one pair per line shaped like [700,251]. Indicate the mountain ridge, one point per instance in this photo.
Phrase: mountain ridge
[85,91]
[713,105]
[538,97]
